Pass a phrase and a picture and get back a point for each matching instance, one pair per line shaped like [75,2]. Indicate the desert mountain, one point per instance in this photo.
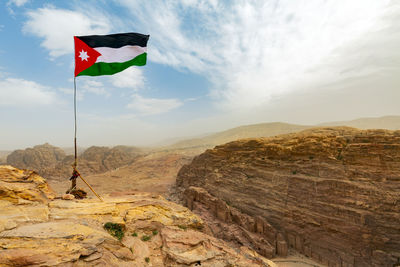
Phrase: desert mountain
[124,168]
[276,128]
[39,229]
[386,122]
[38,158]
[332,194]
[247,131]
[3,156]
[51,161]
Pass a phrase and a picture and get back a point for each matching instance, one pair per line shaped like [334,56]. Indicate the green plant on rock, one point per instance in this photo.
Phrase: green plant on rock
[155,232]
[147,259]
[134,234]
[115,230]
[184,227]
[146,238]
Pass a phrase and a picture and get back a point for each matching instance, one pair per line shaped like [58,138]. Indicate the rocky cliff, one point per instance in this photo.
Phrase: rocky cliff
[51,161]
[332,194]
[39,229]
[38,157]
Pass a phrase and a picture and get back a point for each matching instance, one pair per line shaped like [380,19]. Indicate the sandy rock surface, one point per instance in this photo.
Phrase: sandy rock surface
[38,230]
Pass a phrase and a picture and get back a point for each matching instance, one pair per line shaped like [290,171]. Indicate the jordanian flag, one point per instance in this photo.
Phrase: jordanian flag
[108,54]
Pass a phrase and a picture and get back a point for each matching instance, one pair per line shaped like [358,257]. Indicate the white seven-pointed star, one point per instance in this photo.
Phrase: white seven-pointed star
[83,55]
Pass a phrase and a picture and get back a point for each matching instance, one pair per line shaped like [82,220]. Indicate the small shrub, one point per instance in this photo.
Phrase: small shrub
[311,157]
[147,259]
[115,230]
[146,238]
[294,172]
[155,232]
[134,234]
[184,227]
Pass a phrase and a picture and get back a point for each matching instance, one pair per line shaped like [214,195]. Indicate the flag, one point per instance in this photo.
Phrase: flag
[108,54]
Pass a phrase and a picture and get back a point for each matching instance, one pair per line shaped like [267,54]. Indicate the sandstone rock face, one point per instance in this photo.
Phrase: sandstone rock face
[37,158]
[230,224]
[37,230]
[332,194]
[108,158]
[3,157]
[18,185]
[51,161]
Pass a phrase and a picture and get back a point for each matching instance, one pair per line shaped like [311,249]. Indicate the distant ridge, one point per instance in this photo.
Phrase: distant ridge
[246,131]
[385,122]
[277,128]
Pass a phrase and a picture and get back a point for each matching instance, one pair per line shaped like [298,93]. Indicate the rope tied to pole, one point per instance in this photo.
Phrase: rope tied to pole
[75,173]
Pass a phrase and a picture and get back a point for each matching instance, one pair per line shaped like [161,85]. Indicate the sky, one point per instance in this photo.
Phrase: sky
[211,65]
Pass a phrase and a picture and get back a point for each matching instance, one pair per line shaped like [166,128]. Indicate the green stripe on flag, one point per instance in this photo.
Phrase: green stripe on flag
[102,68]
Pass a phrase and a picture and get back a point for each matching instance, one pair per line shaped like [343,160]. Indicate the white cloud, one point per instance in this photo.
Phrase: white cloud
[58,26]
[253,51]
[70,91]
[94,87]
[152,106]
[23,93]
[18,3]
[132,78]
[87,85]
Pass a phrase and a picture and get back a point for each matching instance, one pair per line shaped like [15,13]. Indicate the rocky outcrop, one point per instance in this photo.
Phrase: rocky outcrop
[3,157]
[51,161]
[332,194]
[40,230]
[37,158]
[17,185]
[108,158]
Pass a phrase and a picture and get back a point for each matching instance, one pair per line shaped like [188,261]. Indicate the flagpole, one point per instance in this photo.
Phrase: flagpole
[75,148]
[74,173]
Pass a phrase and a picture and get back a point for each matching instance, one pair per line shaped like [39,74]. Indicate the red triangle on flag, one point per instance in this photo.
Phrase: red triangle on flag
[85,56]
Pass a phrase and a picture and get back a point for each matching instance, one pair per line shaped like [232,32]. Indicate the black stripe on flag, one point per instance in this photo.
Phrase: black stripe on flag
[115,40]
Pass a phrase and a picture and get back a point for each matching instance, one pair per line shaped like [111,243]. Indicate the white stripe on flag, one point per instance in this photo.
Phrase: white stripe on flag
[122,54]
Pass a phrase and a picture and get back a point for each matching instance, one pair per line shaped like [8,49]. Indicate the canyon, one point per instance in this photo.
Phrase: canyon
[332,194]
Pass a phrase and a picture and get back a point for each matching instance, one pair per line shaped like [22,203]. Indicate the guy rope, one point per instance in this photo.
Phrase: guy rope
[75,172]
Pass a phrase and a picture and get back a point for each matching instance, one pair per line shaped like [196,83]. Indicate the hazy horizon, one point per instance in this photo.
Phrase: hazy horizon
[212,66]
[175,139]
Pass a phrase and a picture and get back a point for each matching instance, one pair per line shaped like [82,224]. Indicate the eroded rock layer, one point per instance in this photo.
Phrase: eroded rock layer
[332,193]
[39,229]
[52,162]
